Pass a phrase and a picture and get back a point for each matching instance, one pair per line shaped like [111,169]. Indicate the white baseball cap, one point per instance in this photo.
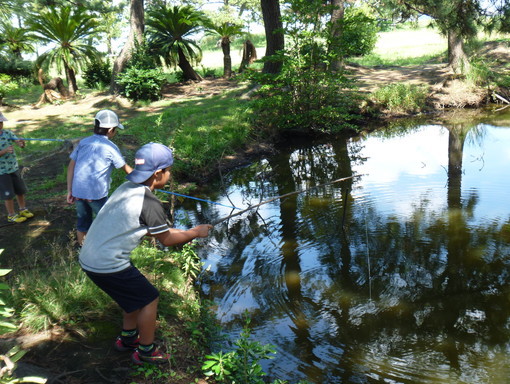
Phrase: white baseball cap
[2,117]
[108,119]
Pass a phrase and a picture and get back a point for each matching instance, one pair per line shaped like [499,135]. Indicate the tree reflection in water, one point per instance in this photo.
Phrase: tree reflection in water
[434,307]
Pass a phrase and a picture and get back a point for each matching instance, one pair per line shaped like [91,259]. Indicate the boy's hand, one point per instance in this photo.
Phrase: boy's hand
[70,198]
[203,230]
[21,143]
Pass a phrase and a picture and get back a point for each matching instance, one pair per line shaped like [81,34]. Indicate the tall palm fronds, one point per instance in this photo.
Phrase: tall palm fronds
[66,31]
[17,40]
[169,30]
[226,31]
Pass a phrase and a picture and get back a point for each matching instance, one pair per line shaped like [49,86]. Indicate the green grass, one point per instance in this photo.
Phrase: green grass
[401,98]
[406,47]
[57,292]
[201,131]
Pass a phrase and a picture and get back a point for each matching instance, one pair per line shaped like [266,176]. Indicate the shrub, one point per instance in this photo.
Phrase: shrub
[6,85]
[359,33]
[401,98]
[141,84]
[15,67]
[97,74]
[241,365]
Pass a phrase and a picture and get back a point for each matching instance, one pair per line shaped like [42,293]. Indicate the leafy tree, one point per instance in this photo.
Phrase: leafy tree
[17,40]
[458,20]
[66,30]
[305,95]
[169,36]
[136,31]
[226,31]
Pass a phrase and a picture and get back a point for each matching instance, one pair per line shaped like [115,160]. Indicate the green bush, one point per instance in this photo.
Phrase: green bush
[401,98]
[97,74]
[141,84]
[359,33]
[241,365]
[6,85]
[15,67]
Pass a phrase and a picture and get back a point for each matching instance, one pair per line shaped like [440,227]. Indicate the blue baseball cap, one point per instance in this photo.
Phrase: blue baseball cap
[148,159]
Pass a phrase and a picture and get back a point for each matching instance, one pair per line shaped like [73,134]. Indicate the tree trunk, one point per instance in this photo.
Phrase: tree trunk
[337,16]
[187,70]
[71,80]
[249,55]
[457,58]
[227,60]
[274,34]
[136,28]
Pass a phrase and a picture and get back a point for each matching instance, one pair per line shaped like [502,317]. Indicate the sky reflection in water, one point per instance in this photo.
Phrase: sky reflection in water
[415,289]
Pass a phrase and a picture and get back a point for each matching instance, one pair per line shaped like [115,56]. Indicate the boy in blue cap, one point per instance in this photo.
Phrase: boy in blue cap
[130,213]
[90,168]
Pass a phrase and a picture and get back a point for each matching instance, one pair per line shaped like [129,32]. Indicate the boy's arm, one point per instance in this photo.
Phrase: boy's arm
[20,142]
[180,236]
[7,150]
[70,175]
[127,168]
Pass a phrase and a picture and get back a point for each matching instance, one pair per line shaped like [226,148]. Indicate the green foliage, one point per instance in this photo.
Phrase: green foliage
[359,33]
[97,74]
[67,31]
[241,365]
[305,100]
[142,79]
[188,260]
[401,97]
[141,84]
[9,359]
[18,40]
[16,67]
[6,85]
[170,31]
[306,96]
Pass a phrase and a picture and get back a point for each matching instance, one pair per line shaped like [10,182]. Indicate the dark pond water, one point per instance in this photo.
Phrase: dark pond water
[398,275]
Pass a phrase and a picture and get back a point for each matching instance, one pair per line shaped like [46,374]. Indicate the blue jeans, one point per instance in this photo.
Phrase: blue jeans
[86,211]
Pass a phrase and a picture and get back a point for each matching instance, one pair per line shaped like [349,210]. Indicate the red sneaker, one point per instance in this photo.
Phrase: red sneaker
[155,357]
[122,347]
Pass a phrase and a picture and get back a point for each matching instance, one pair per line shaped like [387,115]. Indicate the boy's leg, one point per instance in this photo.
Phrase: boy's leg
[23,211]
[9,205]
[84,219]
[144,320]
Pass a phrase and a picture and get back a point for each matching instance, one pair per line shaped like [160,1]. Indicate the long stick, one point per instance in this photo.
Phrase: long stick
[196,198]
[281,197]
[24,138]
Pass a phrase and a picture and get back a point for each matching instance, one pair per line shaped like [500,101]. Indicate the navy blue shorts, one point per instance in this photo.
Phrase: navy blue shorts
[128,288]
[12,184]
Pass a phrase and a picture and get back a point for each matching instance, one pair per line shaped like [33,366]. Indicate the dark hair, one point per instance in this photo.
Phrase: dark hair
[98,130]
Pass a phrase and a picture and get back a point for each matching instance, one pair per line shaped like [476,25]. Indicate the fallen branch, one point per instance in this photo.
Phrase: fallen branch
[501,98]
[281,197]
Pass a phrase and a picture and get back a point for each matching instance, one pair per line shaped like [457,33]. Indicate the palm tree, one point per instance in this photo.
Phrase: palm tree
[67,31]
[169,30]
[226,31]
[17,40]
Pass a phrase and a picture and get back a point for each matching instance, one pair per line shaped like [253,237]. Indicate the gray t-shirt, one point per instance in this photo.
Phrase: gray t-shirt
[130,213]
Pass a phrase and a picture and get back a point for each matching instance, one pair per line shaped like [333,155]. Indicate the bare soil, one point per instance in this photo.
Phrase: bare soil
[64,357]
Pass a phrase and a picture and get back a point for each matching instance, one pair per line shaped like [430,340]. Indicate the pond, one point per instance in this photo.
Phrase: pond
[399,274]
